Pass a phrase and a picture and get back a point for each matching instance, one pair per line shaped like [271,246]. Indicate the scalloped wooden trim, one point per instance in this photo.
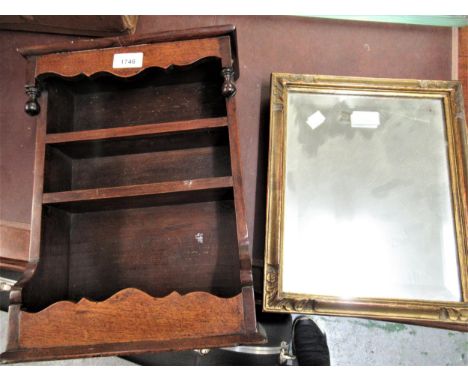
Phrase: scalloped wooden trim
[162,55]
[121,74]
[131,315]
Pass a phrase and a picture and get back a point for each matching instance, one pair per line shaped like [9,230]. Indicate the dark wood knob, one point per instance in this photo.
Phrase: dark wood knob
[229,87]
[32,107]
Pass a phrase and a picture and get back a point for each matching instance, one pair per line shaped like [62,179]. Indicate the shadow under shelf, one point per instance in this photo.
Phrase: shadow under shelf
[180,239]
[155,156]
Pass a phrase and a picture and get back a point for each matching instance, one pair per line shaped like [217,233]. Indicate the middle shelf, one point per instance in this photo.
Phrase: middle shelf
[174,187]
[132,161]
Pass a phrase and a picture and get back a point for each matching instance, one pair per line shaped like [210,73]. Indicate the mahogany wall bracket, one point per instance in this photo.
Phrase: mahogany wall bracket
[139,239]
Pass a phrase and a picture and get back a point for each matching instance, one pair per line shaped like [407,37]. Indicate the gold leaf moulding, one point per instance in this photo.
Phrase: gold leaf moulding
[454,314]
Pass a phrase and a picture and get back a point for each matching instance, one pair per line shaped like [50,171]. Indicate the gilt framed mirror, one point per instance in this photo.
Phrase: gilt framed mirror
[367,199]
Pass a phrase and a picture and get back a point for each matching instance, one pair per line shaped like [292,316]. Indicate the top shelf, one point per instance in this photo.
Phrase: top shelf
[154,96]
[139,130]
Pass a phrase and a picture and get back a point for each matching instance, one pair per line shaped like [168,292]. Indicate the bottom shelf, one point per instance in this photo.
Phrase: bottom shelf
[122,349]
[130,321]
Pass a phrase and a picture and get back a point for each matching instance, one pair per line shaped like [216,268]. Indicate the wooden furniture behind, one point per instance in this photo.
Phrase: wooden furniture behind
[14,245]
[138,237]
[85,25]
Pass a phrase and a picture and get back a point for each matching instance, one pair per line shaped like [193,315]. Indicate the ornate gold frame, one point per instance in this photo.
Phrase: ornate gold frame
[442,314]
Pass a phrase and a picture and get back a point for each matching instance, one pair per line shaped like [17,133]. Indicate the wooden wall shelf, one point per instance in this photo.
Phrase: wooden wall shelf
[138,237]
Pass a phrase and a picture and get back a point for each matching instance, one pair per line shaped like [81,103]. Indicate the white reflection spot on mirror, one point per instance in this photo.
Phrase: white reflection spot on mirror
[315,120]
[365,119]
[367,211]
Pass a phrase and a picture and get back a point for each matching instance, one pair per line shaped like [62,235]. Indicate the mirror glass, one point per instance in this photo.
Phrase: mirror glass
[367,204]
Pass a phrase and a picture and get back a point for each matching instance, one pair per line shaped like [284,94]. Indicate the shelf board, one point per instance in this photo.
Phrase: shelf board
[129,131]
[179,186]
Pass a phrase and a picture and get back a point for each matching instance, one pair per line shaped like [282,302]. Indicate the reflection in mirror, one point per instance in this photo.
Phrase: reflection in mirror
[367,203]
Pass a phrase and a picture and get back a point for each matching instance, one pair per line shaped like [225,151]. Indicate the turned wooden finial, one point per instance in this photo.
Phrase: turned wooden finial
[229,87]
[32,107]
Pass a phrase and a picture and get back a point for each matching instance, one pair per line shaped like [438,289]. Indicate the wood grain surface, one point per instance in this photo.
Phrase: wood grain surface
[131,315]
